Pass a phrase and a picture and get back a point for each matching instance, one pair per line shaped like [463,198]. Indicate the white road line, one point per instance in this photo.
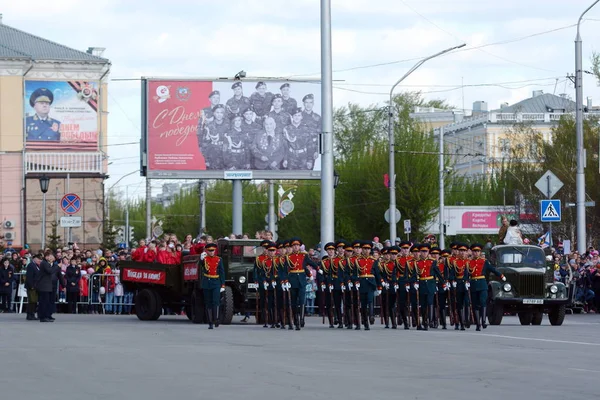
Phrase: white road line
[534,339]
[584,370]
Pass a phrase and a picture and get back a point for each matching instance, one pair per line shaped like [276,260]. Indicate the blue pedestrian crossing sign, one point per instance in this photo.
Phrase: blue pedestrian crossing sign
[550,211]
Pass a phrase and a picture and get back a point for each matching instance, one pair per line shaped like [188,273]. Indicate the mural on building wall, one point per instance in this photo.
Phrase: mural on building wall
[61,115]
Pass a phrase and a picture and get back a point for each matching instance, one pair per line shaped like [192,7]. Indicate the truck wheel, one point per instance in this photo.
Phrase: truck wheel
[227,305]
[145,304]
[197,308]
[537,317]
[159,306]
[525,317]
[556,315]
[495,314]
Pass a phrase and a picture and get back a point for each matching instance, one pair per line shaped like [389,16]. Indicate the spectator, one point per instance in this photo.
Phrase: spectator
[311,287]
[109,290]
[119,293]
[44,286]
[72,276]
[6,282]
[139,253]
[151,255]
[84,291]
[33,270]
[513,234]
[595,276]
[503,229]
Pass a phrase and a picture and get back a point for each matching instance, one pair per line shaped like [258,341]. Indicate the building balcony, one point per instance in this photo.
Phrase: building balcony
[64,163]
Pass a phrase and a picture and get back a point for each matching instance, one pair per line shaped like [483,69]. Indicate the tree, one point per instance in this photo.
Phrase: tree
[53,237]
[109,235]
[596,65]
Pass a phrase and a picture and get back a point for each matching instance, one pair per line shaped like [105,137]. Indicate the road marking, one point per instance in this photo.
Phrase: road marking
[583,370]
[534,339]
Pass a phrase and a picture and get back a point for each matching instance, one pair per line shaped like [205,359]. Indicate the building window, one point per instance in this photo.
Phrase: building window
[504,146]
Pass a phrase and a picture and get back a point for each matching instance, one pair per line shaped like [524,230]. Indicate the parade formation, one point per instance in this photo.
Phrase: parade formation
[418,285]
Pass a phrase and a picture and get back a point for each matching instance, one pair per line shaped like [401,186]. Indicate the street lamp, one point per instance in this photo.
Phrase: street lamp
[336,179]
[392,166]
[44,183]
[580,176]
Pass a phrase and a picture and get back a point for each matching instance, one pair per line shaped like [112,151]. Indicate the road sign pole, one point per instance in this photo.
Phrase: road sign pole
[548,179]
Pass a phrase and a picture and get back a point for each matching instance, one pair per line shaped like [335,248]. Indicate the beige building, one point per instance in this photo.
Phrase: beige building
[53,123]
[479,142]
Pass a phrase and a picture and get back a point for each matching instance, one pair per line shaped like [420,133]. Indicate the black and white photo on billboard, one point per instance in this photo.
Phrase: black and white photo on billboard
[261,125]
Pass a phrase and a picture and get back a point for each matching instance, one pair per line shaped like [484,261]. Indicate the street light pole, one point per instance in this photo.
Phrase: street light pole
[44,183]
[442,240]
[392,144]
[580,177]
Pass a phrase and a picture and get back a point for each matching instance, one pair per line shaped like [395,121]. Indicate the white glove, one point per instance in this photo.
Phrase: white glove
[312,278]
[321,271]
[350,285]
[202,256]
[445,286]
[274,284]
[323,287]
[503,278]
[331,288]
[283,286]
[416,286]
[387,285]
[266,285]
[377,293]
[407,287]
[288,286]
[343,288]
[467,285]
[222,290]
[454,284]
[357,285]
[396,287]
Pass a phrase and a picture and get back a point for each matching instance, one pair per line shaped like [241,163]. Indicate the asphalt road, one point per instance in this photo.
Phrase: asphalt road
[113,357]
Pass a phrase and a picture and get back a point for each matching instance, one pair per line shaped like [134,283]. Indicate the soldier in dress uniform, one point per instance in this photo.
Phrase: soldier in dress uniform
[352,262]
[283,285]
[235,155]
[387,268]
[479,267]
[312,121]
[269,148]
[459,276]
[281,117]
[262,280]
[342,262]
[213,283]
[427,271]
[238,103]
[368,281]
[297,143]
[250,127]
[261,100]
[413,285]
[40,126]
[325,285]
[337,281]
[298,262]
[403,281]
[289,104]
[442,295]
[211,144]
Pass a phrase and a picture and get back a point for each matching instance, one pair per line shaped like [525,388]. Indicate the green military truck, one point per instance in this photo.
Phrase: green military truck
[529,290]
[178,287]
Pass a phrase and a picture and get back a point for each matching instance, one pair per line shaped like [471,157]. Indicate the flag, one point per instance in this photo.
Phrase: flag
[545,240]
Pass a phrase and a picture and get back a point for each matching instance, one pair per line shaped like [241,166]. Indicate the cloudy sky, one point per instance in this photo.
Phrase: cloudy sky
[513,48]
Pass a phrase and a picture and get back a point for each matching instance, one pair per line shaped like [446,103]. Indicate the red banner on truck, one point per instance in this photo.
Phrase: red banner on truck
[190,272]
[144,276]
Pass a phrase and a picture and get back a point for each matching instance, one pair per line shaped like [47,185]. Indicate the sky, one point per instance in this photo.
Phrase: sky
[513,47]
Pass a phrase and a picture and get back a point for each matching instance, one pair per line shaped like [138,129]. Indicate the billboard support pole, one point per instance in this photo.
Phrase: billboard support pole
[272,209]
[148,209]
[238,200]
[442,240]
[327,181]
[202,187]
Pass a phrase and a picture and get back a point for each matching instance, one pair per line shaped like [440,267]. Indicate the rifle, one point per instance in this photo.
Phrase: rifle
[283,305]
[417,291]
[257,303]
[266,307]
[322,303]
[470,303]
[290,304]
[276,312]
[331,304]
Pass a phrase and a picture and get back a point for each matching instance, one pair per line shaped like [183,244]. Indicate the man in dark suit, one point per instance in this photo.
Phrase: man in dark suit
[33,272]
[48,273]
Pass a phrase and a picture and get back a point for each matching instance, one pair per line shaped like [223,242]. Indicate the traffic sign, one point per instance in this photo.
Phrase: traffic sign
[387,215]
[70,222]
[549,184]
[407,226]
[70,203]
[550,211]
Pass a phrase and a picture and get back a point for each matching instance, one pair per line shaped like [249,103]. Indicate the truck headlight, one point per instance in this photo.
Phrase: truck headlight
[242,279]
[553,289]
[507,287]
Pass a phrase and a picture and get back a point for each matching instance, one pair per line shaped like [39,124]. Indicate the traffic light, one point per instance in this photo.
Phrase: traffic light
[131,233]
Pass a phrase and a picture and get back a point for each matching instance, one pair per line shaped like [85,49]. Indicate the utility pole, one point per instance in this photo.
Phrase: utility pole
[271,215]
[148,209]
[580,176]
[202,222]
[442,240]
[127,238]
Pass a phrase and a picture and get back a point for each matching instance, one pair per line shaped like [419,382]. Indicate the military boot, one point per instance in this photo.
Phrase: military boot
[483,317]
[432,320]
[209,316]
[393,318]
[371,313]
[341,318]
[443,318]
[425,318]
[366,319]
[297,318]
[477,320]
[216,316]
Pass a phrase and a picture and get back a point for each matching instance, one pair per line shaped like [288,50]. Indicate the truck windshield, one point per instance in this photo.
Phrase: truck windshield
[521,258]
[244,253]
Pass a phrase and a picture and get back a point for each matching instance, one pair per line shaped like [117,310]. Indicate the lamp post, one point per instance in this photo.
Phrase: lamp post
[44,183]
[580,176]
[392,161]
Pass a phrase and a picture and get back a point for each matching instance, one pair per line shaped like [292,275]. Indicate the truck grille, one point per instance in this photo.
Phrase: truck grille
[531,285]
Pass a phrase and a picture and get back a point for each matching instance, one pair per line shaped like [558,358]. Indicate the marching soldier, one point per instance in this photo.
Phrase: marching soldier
[312,120]
[234,147]
[289,104]
[298,142]
[281,117]
[238,103]
[413,282]
[336,282]
[261,100]
[388,295]
[212,139]
[352,262]
[442,300]
[427,271]
[213,284]
[459,275]
[349,292]
[261,278]
[342,262]
[298,263]
[402,280]
[479,267]
[368,282]
[325,285]
[41,126]
[281,272]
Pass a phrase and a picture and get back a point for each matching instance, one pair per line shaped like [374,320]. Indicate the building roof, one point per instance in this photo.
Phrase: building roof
[543,103]
[16,44]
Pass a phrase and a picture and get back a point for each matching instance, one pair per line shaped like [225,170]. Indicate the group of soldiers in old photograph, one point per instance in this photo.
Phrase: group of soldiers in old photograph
[265,131]
[418,285]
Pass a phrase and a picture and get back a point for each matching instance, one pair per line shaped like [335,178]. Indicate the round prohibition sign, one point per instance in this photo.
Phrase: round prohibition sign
[70,203]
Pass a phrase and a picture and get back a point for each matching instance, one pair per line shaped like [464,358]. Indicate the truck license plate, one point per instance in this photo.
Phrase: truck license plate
[253,286]
[533,301]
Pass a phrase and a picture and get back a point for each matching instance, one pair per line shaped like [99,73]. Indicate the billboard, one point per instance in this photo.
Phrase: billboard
[207,128]
[61,115]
